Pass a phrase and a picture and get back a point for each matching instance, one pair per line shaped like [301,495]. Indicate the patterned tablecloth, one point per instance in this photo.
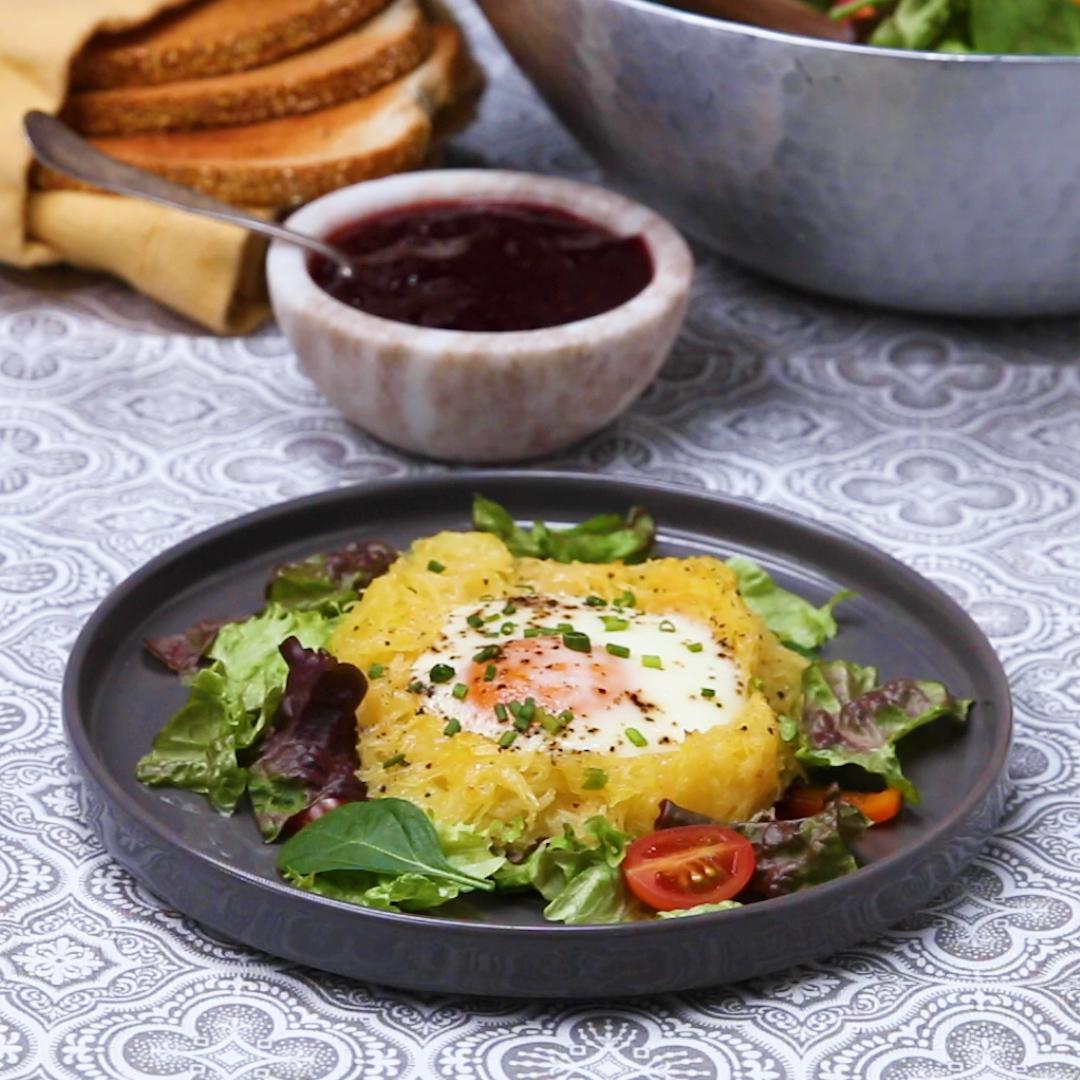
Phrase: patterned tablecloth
[954,446]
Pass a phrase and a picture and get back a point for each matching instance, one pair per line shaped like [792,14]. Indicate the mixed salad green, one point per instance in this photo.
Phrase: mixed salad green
[271,714]
[1037,27]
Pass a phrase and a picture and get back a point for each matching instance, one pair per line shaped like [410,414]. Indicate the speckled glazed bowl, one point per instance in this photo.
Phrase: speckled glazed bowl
[925,181]
[481,397]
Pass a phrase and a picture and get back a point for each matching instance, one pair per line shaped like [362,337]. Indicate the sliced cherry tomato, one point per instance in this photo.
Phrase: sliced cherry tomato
[878,806]
[687,866]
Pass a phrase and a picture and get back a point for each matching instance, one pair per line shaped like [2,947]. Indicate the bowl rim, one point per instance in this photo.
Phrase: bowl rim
[662,10]
[673,262]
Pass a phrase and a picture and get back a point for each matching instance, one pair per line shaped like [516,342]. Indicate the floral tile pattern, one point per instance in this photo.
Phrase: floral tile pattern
[954,446]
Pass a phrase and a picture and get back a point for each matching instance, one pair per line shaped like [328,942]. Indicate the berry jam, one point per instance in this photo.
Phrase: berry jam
[487,266]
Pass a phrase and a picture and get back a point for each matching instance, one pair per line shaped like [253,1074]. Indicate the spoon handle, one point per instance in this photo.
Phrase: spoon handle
[63,150]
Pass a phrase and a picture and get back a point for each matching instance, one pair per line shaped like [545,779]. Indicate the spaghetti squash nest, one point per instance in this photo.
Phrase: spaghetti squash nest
[729,771]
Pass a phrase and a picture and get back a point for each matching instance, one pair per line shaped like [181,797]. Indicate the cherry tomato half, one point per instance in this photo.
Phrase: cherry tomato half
[687,866]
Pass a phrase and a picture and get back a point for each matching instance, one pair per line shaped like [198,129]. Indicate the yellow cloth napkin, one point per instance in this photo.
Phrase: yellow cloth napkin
[206,270]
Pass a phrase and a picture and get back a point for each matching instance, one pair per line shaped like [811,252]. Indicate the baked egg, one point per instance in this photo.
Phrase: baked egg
[508,689]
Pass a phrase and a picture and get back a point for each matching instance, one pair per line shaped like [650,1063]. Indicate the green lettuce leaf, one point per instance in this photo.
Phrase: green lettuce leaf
[699,909]
[795,621]
[1040,27]
[230,703]
[849,719]
[916,24]
[581,880]
[602,539]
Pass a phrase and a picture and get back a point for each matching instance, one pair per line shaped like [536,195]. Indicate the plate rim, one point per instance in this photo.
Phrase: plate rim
[76,731]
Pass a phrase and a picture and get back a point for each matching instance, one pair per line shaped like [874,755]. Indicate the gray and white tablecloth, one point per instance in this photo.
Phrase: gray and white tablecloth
[954,446]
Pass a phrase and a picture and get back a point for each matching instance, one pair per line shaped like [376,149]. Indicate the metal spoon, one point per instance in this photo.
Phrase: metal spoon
[61,149]
[789,16]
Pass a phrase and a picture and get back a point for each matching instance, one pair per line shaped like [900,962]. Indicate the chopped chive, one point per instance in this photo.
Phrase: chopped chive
[521,723]
[475,621]
[375,671]
[396,759]
[528,710]
[488,652]
[636,737]
[500,712]
[627,599]
[493,618]
[667,626]
[617,650]
[551,724]
[566,716]
[612,623]
[595,779]
[441,673]
[460,690]
[577,641]
[565,627]
[694,646]
[453,726]
[417,687]
[515,709]
[708,692]
[508,627]
[652,662]
[435,566]
[532,631]
[595,601]
[489,673]
[487,596]
[506,740]
[510,608]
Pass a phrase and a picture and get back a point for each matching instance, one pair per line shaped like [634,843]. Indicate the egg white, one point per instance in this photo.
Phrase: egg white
[662,705]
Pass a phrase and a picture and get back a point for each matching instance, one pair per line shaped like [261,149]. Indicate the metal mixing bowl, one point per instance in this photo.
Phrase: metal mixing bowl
[915,180]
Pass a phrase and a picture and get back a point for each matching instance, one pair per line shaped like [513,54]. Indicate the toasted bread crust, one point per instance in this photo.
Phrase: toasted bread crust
[286,162]
[213,37]
[354,65]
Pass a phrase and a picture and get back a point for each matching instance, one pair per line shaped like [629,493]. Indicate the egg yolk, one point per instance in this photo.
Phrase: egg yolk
[555,676]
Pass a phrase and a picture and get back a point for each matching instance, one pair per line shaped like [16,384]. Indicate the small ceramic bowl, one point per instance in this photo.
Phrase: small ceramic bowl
[481,397]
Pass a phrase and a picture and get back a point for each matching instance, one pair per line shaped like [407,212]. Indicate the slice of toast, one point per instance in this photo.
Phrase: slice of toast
[213,37]
[358,62]
[285,162]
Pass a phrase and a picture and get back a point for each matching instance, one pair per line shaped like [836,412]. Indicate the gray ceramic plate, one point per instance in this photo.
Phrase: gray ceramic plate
[216,869]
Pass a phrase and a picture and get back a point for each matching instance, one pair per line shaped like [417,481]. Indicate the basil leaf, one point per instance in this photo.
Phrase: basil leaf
[795,621]
[476,854]
[848,719]
[601,539]
[230,704]
[383,836]
[580,880]
[331,581]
